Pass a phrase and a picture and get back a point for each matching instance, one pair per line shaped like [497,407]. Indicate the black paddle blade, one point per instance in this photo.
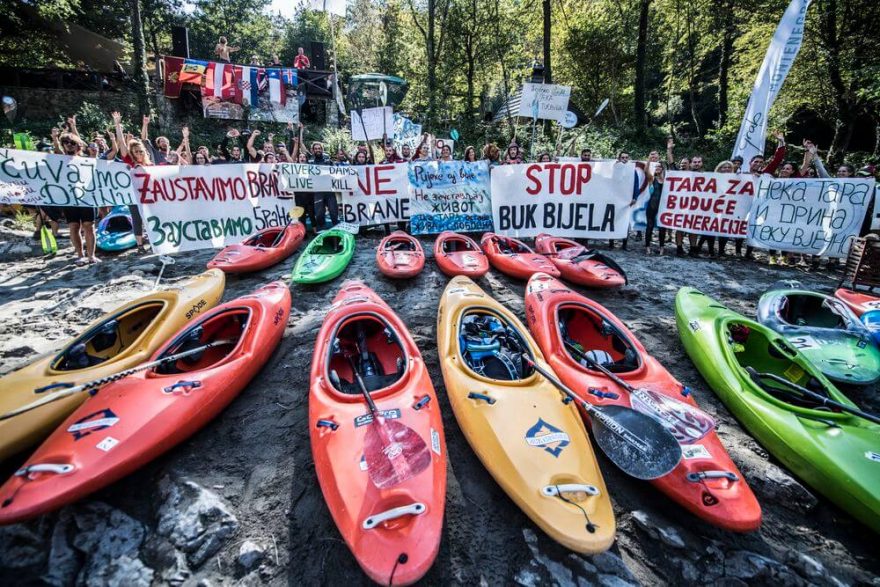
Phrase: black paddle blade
[637,443]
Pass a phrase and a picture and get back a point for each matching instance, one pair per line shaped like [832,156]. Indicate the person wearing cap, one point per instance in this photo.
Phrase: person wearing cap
[737,162]
[513,155]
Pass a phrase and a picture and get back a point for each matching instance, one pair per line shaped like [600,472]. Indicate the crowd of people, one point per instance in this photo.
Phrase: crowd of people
[253,146]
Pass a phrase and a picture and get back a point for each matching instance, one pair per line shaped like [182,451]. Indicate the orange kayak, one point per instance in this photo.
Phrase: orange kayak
[457,254]
[394,531]
[400,256]
[578,264]
[514,258]
[706,482]
[134,420]
[261,251]
[858,301]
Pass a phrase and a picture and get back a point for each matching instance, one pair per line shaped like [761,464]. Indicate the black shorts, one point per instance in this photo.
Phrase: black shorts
[55,213]
[79,214]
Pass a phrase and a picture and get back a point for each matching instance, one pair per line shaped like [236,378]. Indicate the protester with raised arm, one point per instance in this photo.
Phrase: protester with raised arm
[134,153]
[224,51]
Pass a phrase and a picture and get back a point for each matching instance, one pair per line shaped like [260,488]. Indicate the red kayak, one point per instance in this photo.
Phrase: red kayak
[391,517]
[515,258]
[134,420]
[578,264]
[858,301]
[400,256]
[575,334]
[260,251]
[457,254]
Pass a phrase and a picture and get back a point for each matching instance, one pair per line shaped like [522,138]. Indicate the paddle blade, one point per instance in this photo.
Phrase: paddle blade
[296,212]
[637,443]
[685,422]
[394,453]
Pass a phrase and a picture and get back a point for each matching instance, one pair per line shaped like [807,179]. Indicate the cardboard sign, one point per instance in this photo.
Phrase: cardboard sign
[714,204]
[305,177]
[375,122]
[544,101]
[381,195]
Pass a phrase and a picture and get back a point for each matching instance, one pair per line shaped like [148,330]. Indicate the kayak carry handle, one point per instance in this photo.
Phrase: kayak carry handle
[555,490]
[424,401]
[413,509]
[700,475]
[46,388]
[187,385]
[481,396]
[60,469]
[327,424]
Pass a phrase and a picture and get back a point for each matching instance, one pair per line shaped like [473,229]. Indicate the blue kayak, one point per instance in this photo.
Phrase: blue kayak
[115,230]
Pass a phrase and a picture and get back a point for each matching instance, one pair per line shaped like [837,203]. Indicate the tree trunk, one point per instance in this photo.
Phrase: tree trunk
[141,81]
[640,107]
[831,43]
[548,72]
[432,65]
[726,54]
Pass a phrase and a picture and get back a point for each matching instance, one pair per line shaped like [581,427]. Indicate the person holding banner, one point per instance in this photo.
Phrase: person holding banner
[80,219]
[492,154]
[323,199]
[135,154]
[470,154]
[656,190]
[514,155]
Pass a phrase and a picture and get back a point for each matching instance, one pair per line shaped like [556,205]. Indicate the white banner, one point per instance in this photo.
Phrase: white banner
[382,195]
[784,47]
[449,195]
[875,219]
[374,121]
[305,177]
[714,204]
[814,216]
[545,101]
[406,132]
[201,206]
[587,200]
[44,179]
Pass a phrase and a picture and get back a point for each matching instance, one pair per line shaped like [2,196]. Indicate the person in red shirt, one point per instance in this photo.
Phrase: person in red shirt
[135,154]
[301,61]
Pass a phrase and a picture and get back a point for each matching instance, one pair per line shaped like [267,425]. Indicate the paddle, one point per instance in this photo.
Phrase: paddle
[95,383]
[638,444]
[394,452]
[684,421]
[166,260]
[794,389]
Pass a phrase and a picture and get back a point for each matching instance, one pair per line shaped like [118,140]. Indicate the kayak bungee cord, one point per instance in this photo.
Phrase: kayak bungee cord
[96,383]
[591,527]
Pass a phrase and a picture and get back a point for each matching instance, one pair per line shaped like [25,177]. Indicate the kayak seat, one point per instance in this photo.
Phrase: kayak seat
[813,311]
[371,345]
[329,245]
[226,327]
[597,338]
[264,239]
[454,245]
[401,245]
[118,224]
[492,348]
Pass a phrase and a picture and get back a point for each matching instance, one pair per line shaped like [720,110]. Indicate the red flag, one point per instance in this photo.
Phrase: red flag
[219,81]
[173,65]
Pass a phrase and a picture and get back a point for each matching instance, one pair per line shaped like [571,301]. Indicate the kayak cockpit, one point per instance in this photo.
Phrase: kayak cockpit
[491,347]
[266,239]
[224,331]
[588,336]
[399,245]
[327,245]
[119,223]
[772,362]
[109,338]
[813,311]
[509,246]
[458,245]
[367,345]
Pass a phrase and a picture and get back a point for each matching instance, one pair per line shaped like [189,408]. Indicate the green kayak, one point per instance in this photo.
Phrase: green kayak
[826,331]
[837,454]
[325,258]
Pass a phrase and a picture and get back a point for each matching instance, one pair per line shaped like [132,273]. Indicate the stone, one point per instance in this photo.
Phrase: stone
[105,532]
[22,546]
[751,566]
[64,563]
[668,536]
[194,519]
[807,565]
[123,570]
[561,574]
[144,268]
[587,567]
[775,485]
[250,554]
[609,563]
[614,581]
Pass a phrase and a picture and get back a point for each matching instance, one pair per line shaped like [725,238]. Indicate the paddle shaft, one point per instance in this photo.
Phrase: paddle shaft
[794,388]
[108,379]
[594,412]
[596,365]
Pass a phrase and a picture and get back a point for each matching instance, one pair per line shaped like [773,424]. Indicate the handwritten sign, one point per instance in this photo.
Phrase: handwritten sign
[305,177]
[373,121]
[45,179]
[201,207]
[381,195]
[449,195]
[589,200]
[544,101]
[811,216]
[714,204]
[406,132]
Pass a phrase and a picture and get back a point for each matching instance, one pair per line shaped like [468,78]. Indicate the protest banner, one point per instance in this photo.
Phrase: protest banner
[406,132]
[875,219]
[306,177]
[587,200]
[381,195]
[639,211]
[44,179]
[810,216]
[375,122]
[544,101]
[714,204]
[449,195]
[200,207]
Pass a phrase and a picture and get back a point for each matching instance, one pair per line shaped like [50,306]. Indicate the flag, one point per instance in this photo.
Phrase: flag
[784,47]
[192,71]
[173,66]
[290,77]
[219,81]
[246,88]
[339,103]
[332,6]
[277,93]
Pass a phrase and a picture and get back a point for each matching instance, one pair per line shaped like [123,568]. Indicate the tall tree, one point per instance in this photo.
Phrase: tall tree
[434,17]
[639,110]
[139,73]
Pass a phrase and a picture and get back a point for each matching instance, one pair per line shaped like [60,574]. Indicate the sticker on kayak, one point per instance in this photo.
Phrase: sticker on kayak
[695,325]
[794,372]
[469,260]
[803,343]
[872,456]
[694,451]
[548,437]
[872,305]
[100,420]
[367,418]
[362,464]
[107,444]
[435,441]
[684,421]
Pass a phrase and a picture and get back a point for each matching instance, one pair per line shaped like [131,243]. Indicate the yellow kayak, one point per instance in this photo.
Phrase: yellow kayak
[533,444]
[118,340]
